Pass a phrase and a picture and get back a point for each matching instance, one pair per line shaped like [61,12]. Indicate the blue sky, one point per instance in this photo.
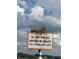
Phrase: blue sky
[34,14]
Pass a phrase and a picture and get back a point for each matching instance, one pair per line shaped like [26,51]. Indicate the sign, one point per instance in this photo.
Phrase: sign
[43,41]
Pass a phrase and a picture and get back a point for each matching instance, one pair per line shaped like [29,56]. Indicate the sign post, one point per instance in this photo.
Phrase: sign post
[40,54]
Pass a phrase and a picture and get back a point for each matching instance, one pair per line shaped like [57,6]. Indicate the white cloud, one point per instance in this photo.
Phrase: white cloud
[20,10]
[52,5]
[23,4]
[37,11]
[38,15]
[53,21]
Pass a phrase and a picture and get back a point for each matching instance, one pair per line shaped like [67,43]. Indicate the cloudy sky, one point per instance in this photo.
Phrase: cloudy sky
[34,14]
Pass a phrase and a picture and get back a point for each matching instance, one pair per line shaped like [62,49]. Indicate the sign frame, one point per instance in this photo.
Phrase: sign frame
[41,48]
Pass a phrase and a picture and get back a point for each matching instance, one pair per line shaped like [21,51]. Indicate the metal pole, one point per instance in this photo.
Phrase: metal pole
[40,54]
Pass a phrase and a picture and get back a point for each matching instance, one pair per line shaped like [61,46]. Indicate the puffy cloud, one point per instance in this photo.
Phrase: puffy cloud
[37,11]
[22,4]
[37,18]
[20,10]
[53,5]
[38,15]
[52,21]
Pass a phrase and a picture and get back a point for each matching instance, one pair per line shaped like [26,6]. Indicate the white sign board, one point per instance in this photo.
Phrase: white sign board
[42,41]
